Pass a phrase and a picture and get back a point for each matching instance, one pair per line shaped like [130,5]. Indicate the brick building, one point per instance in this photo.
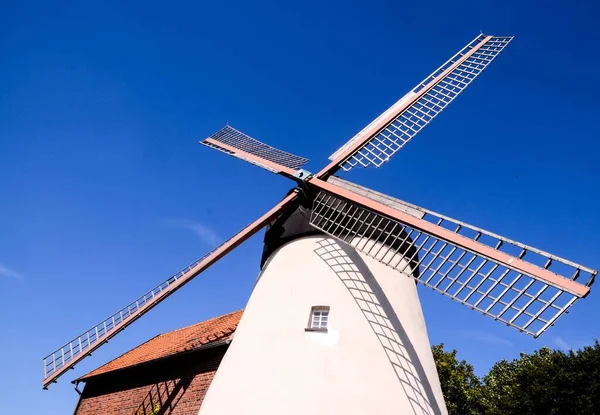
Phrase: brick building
[169,374]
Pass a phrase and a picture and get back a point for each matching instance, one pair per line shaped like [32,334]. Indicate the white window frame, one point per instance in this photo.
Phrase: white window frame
[319,318]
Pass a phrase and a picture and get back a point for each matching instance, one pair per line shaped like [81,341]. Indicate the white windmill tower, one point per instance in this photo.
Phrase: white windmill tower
[334,324]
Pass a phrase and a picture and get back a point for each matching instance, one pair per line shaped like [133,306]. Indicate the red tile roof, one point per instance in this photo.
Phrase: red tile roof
[174,342]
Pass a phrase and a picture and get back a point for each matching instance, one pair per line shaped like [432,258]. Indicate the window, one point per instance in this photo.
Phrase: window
[319,317]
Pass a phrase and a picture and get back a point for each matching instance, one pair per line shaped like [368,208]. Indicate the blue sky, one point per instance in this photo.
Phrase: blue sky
[105,191]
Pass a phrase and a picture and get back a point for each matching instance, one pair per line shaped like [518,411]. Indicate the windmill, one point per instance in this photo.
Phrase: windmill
[377,245]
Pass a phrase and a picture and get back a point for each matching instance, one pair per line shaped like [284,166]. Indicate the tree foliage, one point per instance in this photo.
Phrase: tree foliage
[459,383]
[546,382]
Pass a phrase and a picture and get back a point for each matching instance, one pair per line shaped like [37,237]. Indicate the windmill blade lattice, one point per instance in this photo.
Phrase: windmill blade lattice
[65,357]
[536,256]
[404,120]
[494,288]
[237,144]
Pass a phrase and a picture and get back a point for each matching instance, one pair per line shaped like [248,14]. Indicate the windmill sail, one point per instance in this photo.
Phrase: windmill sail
[67,356]
[518,285]
[399,124]
[237,144]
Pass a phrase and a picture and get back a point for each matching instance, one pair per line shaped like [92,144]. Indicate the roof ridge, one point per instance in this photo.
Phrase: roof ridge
[200,323]
[173,342]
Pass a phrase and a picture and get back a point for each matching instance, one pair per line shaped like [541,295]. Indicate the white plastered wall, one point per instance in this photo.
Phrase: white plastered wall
[374,359]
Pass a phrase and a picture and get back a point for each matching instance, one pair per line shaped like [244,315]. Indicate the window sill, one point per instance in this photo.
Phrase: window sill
[318,330]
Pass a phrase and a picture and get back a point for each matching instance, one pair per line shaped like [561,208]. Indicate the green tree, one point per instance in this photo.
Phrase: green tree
[460,386]
[586,375]
[528,385]
[546,382]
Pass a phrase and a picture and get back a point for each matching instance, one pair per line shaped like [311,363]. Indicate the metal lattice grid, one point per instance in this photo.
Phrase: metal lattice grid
[65,354]
[440,93]
[68,354]
[490,287]
[542,259]
[236,139]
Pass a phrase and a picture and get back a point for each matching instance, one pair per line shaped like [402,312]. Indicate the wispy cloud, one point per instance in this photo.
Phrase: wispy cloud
[486,337]
[9,273]
[561,343]
[203,232]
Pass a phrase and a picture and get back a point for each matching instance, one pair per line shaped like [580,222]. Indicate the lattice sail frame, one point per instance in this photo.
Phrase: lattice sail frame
[436,91]
[228,140]
[65,357]
[116,322]
[495,289]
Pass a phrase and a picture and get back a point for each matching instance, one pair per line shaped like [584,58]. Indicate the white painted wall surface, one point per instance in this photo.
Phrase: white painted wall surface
[374,359]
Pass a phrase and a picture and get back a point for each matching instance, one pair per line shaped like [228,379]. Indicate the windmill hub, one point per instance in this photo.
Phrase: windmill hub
[302,175]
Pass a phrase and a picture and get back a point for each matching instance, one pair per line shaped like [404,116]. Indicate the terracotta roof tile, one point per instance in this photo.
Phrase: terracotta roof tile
[174,342]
